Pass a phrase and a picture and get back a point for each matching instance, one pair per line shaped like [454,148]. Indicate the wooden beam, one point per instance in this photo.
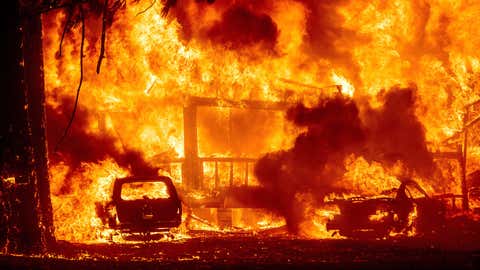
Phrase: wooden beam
[195,101]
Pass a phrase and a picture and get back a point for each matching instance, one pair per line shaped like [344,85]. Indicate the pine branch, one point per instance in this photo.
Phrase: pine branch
[72,116]
[102,41]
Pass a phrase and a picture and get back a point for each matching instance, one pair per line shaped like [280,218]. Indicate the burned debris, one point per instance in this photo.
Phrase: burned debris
[142,204]
[410,211]
[198,120]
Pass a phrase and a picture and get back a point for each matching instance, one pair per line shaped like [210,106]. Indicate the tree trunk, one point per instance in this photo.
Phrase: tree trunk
[33,57]
[26,210]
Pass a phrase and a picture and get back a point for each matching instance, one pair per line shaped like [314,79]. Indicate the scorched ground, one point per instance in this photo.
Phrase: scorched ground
[294,131]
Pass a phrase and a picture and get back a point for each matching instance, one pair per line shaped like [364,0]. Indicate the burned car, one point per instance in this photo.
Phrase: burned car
[409,210]
[142,204]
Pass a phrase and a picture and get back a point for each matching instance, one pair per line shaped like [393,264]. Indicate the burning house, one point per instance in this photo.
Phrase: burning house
[311,119]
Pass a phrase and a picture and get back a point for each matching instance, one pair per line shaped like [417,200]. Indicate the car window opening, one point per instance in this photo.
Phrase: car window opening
[144,190]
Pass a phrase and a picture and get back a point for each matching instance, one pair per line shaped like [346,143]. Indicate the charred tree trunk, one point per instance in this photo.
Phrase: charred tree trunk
[34,79]
[25,198]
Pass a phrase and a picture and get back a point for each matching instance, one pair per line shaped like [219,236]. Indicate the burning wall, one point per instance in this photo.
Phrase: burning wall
[131,111]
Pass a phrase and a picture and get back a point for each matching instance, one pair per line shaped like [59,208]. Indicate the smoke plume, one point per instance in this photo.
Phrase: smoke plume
[335,129]
[241,27]
[81,146]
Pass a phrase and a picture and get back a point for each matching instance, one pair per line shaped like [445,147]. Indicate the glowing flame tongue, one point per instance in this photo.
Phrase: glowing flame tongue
[347,88]
[152,64]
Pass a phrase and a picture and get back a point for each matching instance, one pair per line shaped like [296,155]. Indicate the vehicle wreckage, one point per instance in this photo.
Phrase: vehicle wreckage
[142,205]
[411,209]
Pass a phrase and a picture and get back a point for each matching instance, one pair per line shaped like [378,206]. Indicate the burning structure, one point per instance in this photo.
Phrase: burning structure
[283,106]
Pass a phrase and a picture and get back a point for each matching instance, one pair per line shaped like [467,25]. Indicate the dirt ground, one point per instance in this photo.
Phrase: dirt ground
[241,251]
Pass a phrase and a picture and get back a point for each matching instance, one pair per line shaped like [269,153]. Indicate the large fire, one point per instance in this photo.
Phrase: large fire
[358,58]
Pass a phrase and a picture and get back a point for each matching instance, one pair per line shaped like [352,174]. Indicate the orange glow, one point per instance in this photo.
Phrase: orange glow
[379,215]
[154,64]
[346,87]
[137,191]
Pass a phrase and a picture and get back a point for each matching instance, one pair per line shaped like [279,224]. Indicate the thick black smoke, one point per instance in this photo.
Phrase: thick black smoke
[242,24]
[396,134]
[241,27]
[81,146]
[335,129]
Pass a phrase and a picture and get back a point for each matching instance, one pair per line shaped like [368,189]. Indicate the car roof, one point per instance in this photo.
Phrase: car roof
[155,178]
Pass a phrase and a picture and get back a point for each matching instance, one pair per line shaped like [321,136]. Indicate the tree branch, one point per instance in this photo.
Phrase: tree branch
[72,116]
[102,42]
[67,22]
[149,7]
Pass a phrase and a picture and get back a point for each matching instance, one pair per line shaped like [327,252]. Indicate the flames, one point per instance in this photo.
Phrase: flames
[130,115]
[76,210]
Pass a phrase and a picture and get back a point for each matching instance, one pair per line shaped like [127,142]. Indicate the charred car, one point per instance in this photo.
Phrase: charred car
[410,209]
[142,204]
